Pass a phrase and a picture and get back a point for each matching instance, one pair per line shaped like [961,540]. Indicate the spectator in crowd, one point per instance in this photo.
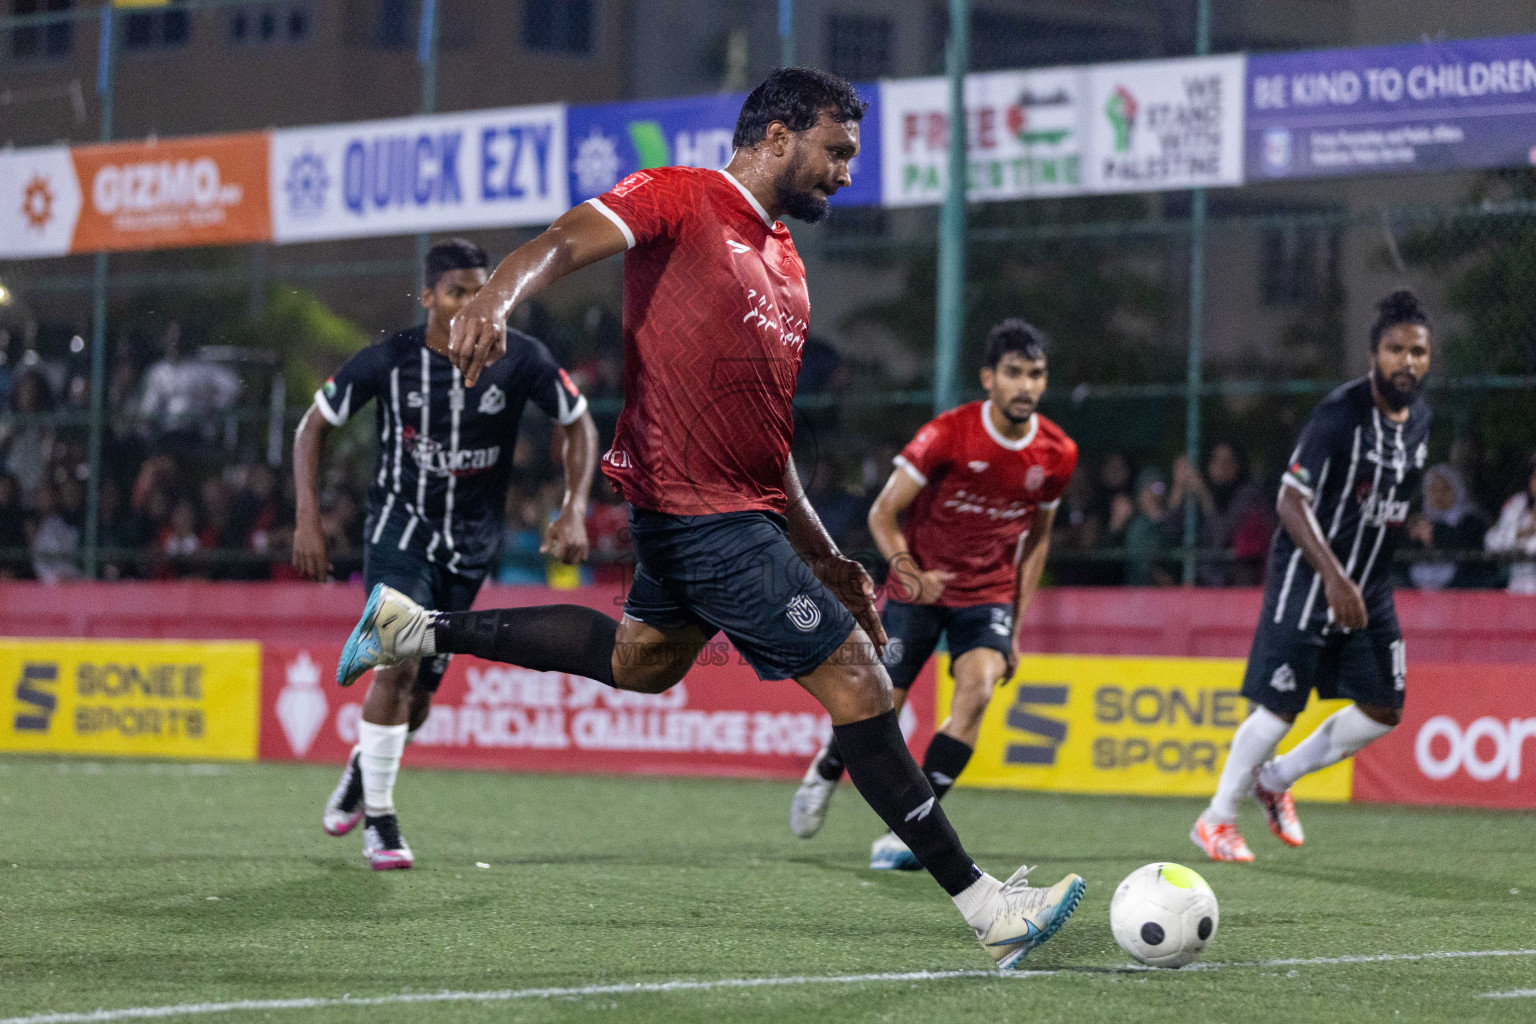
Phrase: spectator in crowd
[1451,522]
[1144,542]
[608,533]
[521,561]
[55,543]
[14,561]
[182,397]
[1515,533]
[1076,532]
[1232,517]
[180,541]
[28,444]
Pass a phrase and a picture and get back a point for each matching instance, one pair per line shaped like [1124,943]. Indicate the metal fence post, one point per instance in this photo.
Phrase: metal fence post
[426,56]
[786,33]
[1196,328]
[950,307]
[105,73]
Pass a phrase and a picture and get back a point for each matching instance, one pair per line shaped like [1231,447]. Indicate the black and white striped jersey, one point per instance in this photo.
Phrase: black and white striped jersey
[1360,471]
[445,451]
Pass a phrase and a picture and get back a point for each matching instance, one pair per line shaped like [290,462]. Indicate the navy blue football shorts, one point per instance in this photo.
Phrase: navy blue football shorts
[1286,664]
[914,631]
[427,583]
[735,573]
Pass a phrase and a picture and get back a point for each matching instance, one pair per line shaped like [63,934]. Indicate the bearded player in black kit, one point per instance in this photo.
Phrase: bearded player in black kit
[1329,622]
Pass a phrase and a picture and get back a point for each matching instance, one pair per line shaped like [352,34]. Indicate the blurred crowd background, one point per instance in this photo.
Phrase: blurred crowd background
[192,486]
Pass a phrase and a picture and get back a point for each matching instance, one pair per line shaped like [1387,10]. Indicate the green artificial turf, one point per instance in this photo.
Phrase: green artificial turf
[127,884]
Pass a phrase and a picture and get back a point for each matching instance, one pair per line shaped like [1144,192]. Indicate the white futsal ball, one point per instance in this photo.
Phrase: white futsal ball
[1163,914]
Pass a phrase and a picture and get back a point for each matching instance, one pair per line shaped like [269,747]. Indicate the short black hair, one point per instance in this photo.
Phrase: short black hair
[1400,307]
[453,254]
[796,96]
[1014,335]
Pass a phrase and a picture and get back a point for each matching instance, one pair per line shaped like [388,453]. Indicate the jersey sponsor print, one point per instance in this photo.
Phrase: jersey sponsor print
[979,498]
[1359,470]
[715,317]
[445,451]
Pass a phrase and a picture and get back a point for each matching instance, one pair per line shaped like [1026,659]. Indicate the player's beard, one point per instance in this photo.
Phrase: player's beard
[1016,418]
[1399,390]
[802,205]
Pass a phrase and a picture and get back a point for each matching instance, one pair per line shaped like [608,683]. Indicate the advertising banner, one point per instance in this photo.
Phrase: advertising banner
[1133,726]
[1431,106]
[203,190]
[610,141]
[720,720]
[144,698]
[1165,124]
[1468,736]
[1025,133]
[39,202]
[479,169]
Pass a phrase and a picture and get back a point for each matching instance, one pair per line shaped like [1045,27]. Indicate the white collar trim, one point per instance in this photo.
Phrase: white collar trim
[750,198]
[992,431]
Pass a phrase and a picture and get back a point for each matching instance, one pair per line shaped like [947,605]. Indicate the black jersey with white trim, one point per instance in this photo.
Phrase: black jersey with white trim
[1360,471]
[445,451]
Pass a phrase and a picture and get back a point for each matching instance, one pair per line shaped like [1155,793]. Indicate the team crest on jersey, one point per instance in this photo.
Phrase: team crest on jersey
[1284,679]
[493,401]
[977,465]
[1034,478]
[629,184]
[803,613]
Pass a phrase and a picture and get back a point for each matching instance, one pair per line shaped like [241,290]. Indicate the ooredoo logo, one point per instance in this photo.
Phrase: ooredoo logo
[162,186]
[1486,749]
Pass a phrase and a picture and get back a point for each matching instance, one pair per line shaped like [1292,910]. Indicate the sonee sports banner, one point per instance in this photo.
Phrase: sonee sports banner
[133,698]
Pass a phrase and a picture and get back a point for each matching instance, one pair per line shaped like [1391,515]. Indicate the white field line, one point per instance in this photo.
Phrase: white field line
[507,995]
[1519,993]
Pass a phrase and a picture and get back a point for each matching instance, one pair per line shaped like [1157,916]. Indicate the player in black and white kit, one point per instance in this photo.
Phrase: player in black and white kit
[1329,622]
[435,508]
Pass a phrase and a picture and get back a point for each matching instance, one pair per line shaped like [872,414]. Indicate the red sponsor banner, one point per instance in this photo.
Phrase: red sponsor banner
[209,190]
[720,720]
[1468,736]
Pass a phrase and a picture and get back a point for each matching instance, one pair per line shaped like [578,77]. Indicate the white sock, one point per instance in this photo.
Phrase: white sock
[380,747]
[975,901]
[1252,744]
[1341,734]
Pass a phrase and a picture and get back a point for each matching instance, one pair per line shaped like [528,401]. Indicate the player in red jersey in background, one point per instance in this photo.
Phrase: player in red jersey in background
[715,318]
[979,486]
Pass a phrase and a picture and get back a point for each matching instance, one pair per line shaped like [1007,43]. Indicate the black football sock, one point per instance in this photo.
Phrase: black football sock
[546,638]
[945,760]
[831,765]
[886,776]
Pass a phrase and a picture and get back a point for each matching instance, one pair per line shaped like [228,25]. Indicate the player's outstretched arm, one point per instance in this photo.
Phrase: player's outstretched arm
[843,576]
[906,578]
[309,554]
[1037,547]
[566,537]
[1344,598]
[478,335]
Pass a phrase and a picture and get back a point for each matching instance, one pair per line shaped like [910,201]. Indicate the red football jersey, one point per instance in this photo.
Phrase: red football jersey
[715,317]
[980,492]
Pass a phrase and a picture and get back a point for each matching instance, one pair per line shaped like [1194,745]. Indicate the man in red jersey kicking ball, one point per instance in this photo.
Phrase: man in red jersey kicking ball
[715,318]
[979,486]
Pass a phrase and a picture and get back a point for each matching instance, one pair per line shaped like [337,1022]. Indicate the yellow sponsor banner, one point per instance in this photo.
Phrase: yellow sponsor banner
[136,698]
[1142,726]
